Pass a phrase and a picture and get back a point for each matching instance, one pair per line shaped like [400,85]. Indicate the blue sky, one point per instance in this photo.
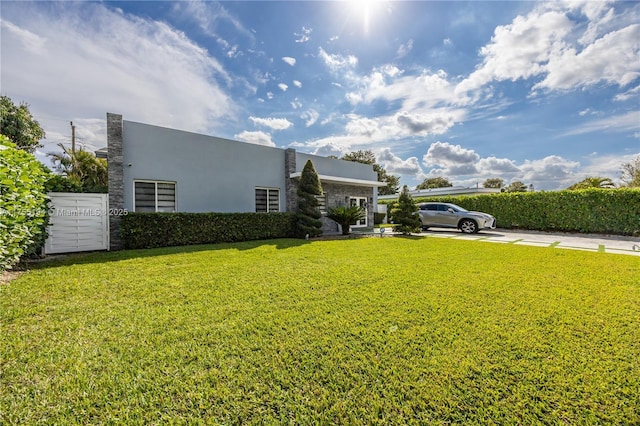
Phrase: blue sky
[544,93]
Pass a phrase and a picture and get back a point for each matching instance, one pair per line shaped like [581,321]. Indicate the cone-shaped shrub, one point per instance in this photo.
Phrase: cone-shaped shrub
[308,215]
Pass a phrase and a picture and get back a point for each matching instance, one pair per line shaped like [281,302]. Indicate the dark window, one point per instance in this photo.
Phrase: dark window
[151,196]
[267,200]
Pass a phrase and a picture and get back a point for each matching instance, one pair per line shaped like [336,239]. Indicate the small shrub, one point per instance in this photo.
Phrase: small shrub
[404,215]
[345,216]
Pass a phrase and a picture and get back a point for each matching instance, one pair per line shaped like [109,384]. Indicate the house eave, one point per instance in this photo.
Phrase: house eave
[343,180]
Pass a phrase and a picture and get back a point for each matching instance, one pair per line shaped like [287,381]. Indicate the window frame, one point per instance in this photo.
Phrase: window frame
[268,199]
[156,182]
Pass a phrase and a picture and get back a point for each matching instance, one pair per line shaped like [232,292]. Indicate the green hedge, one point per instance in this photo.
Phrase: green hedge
[148,230]
[603,211]
[23,204]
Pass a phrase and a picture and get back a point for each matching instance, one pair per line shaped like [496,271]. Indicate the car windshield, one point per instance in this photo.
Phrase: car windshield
[458,208]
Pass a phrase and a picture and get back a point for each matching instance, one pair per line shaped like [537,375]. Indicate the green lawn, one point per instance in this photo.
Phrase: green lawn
[360,331]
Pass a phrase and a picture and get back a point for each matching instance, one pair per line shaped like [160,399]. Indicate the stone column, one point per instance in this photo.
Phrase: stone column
[116,178]
[290,186]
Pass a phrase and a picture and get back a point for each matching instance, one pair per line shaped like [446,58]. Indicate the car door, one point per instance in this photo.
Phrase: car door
[446,217]
[428,214]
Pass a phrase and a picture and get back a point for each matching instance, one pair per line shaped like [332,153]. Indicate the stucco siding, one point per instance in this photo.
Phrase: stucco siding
[333,167]
[211,174]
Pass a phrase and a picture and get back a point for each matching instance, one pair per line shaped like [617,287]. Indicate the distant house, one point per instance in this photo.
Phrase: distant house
[438,192]
[156,169]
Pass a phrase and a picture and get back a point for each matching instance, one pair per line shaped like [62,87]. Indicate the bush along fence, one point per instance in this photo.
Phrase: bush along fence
[149,230]
[601,211]
[23,204]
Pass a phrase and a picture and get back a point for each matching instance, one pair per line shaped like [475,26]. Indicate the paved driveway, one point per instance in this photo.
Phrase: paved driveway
[589,242]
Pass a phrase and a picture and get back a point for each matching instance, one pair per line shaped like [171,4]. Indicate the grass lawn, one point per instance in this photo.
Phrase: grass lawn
[361,331]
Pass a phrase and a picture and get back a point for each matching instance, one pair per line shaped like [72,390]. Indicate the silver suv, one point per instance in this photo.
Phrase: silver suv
[447,215]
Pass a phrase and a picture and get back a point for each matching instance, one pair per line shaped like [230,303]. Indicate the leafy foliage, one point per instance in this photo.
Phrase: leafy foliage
[82,168]
[404,216]
[346,216]
[17,124]
[324,332]
[368,157]
[516,186]
[493,183]
[593,182]
[148,230]
[308,215]
[59,183]
[23,203]
[587,210]
[436,182]
[631,173]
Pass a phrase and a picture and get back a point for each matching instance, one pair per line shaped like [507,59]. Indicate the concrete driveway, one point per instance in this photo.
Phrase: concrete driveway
[589,242]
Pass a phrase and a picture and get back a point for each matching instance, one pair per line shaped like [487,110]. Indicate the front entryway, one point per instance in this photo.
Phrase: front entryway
[362,203]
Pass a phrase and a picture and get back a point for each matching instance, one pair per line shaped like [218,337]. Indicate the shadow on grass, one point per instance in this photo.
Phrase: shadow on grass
[116,256]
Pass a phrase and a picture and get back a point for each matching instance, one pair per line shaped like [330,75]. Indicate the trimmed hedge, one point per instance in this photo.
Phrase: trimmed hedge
[149,230]
[23,204]
[601,211]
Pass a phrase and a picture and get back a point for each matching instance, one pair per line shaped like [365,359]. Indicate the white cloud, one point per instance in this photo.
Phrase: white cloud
[84,61]
[289,60]
[629,121]
[404,49]
[454,158]
[283,87]
[310,116]
[629,94]
[552,43]
[520,49]
[296,104]
[498,166]
[394,164]
[549,172]
[304,35]
[258,138]
[612,59]
[337,62]
[272,123]
[297,84]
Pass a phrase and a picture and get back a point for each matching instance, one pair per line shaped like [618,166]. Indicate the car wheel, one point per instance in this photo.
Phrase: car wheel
[468,226]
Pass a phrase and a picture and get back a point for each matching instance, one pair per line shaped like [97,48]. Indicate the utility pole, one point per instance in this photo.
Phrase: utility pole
[73,138]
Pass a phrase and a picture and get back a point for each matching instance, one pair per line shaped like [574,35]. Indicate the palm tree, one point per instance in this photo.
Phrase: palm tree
[82,168]
[345,216]
[593,182]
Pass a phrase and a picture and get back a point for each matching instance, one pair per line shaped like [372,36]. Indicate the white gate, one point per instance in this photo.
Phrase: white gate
[78,222]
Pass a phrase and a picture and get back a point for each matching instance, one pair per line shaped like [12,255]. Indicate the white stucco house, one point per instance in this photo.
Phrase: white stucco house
[157,169]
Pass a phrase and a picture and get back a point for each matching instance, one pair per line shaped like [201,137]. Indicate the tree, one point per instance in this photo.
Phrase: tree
[436,182]
[593,182]
[82,168]
[23,203]
[631,173]
[346,216]
[404,214]
[516,186]
[17,124]
[368,157]
[308,215]
[493,183]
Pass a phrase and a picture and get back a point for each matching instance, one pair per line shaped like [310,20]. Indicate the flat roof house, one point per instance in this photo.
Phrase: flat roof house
[156,169]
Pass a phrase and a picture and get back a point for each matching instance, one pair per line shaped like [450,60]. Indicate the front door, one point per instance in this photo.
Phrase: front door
[362,203]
